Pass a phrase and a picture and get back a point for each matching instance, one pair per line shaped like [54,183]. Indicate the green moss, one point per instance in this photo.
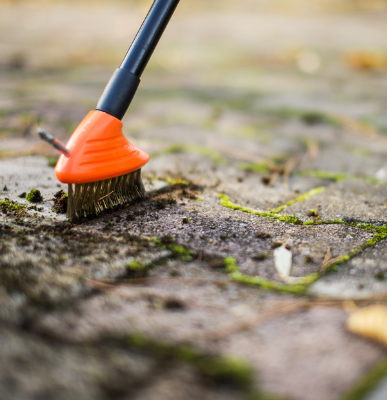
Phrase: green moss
[192,148]
[34,196]
[135,266]
[234,273]
[231,265]
[289,219]
[300,199]
[180,252]
[226,370]
[226,202]
[328,222]
[136,269]
[217,370]
[176,182]
[260,168]
[186,354]
[381,233]
[52,161]
[267,284]
[308,279]
[11,205]
[177,251]
[368,383]
[367,227]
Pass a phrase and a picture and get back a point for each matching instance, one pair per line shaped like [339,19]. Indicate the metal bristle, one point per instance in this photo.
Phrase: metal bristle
[90,199]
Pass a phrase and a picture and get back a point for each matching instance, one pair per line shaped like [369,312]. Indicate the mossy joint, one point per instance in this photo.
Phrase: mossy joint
[216,370]
[226,202]
[178,251]
[300,199]
[380,234]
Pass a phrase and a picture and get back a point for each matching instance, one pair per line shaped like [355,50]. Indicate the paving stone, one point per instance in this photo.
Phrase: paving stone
[215,231]
[240,186]
[182,383]
[26,173]
[31,367]
[303,357]
[363,276]
[350,200]
[212,100]
[176,310]
[294,354]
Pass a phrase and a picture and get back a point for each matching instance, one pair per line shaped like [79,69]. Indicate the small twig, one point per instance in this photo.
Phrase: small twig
[311,155]
[289,167]
[328,264]
[326,260]
[251,321]
[349,306]
[356,126]
[102,286]
[111,283]
[275,174]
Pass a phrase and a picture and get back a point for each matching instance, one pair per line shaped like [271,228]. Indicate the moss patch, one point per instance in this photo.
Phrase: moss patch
[226,202]
[215,370]
[136,269]
[60,202]
[34,196]
[235,274]
[7,205]
[267,284]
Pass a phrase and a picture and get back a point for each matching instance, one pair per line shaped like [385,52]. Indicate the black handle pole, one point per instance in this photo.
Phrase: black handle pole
[123,85]
[148,36]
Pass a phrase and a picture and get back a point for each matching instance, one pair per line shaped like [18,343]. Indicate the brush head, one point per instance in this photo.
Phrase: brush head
[102,169]
[98,151]
[91,199]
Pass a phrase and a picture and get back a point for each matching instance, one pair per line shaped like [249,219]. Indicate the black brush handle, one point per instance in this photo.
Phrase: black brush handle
[123,85]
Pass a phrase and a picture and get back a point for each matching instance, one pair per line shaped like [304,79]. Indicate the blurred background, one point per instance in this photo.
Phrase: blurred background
[261,80]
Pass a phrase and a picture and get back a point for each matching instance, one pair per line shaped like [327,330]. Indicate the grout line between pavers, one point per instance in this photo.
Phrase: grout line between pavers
[302,288]
[300,199]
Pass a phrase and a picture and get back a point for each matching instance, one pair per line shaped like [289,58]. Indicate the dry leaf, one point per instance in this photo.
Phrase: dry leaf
[283,261]
[370,322]
[366,60]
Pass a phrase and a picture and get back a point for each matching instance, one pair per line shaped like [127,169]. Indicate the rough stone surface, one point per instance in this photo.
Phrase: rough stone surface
[177,296]
[363,276]
[350,201]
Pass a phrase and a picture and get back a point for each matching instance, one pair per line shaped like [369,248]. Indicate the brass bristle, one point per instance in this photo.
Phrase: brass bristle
[90,199]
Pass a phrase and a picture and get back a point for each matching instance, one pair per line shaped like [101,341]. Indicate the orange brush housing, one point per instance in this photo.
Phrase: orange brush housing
[98,151]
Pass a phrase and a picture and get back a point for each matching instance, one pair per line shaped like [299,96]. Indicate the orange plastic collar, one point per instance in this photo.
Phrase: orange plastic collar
[99,150]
